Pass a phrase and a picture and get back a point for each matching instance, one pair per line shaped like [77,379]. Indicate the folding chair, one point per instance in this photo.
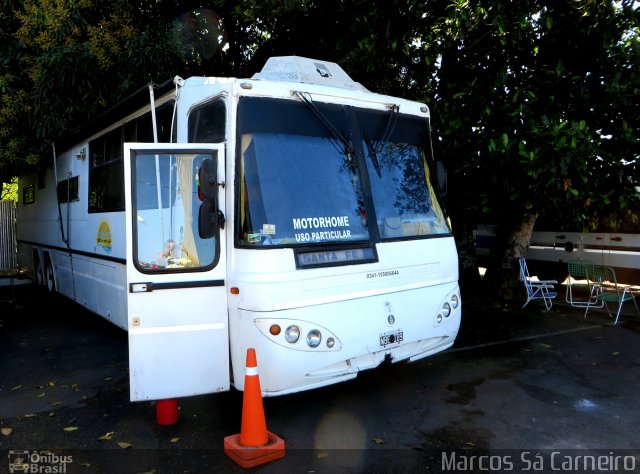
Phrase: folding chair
[537,289]
[580,272]
[607,290]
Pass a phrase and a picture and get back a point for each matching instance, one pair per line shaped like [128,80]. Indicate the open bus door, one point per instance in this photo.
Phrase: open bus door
[176,304]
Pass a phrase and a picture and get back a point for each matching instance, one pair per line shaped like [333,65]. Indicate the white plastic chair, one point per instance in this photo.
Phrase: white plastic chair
[537,289]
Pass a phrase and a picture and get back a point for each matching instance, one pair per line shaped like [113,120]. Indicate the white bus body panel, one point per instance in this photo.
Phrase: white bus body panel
[613,249]
[96,283]
[410,282]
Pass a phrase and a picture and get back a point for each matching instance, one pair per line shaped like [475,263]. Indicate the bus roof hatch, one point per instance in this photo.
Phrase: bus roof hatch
[309,71]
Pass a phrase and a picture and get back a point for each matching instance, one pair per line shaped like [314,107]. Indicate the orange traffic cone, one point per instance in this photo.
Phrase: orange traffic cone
[255,444]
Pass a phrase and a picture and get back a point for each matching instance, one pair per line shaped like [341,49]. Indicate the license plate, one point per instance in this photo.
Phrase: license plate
[390,338]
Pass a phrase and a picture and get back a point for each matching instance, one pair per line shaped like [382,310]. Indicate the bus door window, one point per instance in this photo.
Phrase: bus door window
[167,206]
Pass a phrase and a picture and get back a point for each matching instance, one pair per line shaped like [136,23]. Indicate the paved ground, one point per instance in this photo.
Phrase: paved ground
[519,388]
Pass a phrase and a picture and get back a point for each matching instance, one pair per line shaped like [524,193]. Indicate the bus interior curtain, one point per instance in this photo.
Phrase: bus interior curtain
[185,188]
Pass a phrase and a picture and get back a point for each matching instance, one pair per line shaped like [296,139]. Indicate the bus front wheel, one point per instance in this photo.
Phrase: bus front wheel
[50,277]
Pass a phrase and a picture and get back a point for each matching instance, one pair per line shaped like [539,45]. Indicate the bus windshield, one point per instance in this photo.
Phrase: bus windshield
[302,182]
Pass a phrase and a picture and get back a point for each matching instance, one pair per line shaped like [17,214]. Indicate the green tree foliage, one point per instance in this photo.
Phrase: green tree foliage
[9,191]
[534,103]
[536,116]
[63,62]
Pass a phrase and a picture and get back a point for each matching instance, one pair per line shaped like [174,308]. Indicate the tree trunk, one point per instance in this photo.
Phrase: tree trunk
[502,277]
[470,282]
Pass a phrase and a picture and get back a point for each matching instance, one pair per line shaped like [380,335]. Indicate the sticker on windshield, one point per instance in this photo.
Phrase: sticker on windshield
[269,229]
[322,228]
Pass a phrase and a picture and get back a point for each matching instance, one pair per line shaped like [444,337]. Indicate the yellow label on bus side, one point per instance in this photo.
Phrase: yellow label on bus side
[103,237]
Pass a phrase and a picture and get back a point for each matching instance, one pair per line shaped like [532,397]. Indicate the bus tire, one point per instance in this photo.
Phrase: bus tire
[49,277]
[38,271]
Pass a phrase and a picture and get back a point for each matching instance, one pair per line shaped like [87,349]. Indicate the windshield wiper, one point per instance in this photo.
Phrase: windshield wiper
[375,148]
[338,135]
[373,154]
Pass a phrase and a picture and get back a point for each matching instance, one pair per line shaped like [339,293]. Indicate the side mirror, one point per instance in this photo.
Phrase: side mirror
[208,220]
[207,179]
[441,175]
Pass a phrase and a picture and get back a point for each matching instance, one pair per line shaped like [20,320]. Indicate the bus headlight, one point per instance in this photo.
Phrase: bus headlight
[446,309]
[454,301]
[292,334]
[288,332]
[314,338]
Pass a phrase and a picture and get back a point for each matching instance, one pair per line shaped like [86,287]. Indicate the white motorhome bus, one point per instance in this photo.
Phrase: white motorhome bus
[305,217]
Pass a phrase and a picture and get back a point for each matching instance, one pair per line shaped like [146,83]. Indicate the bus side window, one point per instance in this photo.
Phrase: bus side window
[207,123]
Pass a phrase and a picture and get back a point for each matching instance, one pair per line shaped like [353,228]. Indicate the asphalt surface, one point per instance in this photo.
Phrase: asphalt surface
[521,390]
